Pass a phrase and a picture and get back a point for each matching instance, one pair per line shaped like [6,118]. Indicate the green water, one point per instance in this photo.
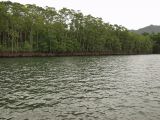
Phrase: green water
[80,88]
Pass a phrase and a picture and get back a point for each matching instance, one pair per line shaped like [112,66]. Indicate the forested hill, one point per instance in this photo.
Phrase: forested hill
[148,29]
[30,28]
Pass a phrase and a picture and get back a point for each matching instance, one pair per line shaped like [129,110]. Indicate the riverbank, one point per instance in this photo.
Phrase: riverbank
[56,54]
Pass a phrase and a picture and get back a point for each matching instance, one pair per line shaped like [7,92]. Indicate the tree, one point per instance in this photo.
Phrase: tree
[36,29]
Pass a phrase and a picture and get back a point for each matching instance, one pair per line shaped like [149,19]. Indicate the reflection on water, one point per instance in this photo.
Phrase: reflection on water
[81,88]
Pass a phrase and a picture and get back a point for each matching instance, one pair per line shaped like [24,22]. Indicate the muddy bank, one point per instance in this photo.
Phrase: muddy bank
[52,54]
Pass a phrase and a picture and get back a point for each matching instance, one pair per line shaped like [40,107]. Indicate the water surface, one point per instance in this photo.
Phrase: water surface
[80,88]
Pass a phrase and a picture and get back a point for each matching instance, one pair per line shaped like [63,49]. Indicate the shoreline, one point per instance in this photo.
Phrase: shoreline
[60,54]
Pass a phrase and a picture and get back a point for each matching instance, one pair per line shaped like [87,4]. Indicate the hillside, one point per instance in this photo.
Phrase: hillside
[148,29]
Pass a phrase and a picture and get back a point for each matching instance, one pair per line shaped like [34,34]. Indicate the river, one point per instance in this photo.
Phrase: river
[80,88]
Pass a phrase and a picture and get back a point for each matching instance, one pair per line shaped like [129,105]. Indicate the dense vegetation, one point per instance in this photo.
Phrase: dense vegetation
[156,41]
[31,28]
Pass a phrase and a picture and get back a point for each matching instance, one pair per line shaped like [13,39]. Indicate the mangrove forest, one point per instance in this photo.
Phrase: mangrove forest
[30,28]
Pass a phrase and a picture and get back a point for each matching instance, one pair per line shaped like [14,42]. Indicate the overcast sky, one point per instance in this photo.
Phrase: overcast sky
[132,14]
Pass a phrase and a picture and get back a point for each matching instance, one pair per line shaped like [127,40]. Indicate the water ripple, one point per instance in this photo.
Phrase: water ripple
[65,88]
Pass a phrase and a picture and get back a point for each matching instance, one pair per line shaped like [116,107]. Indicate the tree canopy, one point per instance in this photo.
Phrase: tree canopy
[36,29]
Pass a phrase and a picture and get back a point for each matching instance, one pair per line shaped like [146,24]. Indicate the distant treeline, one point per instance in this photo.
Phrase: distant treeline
[29,28]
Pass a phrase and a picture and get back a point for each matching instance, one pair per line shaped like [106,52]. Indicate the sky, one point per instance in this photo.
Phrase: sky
[132,14]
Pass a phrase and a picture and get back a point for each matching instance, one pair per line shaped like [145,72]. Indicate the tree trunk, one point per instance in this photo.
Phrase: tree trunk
[31,38]
[12,45]
[37,40]
[0,37]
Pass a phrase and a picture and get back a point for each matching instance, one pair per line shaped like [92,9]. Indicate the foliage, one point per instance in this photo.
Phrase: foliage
[32,28]
[156,42]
